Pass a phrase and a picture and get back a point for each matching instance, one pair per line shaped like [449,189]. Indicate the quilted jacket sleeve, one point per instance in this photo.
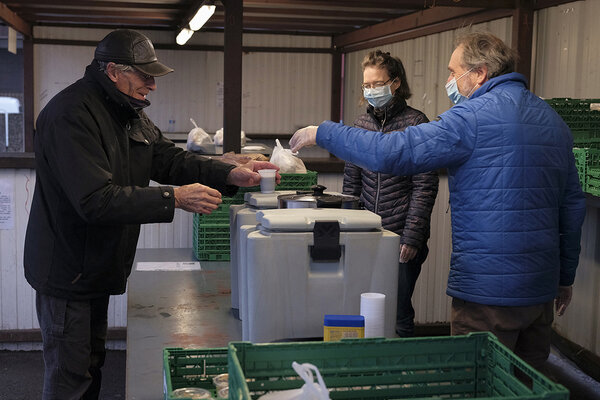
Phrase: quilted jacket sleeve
[352,179]
[426,147]
[422,199]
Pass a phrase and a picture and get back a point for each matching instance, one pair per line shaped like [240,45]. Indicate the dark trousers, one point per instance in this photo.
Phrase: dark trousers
[74,335]
[407,278]
[525,330]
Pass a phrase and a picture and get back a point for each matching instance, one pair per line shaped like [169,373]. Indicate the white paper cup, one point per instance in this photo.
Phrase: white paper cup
[267,180]
[372,307]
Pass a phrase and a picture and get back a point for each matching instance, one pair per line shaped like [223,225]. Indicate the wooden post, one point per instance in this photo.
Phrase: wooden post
[232,88]
[522,36]
[336,86]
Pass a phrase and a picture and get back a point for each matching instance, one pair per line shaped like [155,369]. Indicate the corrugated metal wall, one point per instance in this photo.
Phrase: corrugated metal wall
[195,89]
[566,64]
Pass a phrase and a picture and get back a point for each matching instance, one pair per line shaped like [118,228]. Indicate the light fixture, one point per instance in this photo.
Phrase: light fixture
[202,15]
[184,36]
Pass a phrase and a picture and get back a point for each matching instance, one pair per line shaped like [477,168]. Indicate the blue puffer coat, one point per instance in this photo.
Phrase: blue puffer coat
[517,206]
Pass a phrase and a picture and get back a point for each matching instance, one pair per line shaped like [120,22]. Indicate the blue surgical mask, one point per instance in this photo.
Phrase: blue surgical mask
[452,90]
[378,96]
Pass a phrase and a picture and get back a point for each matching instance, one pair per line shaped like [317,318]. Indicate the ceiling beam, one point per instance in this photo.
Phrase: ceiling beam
[415,20]
[37,12]
[323,13]
[289,21]
[14,21]
[92,4]
[100,21]
[412,33]
[405,4]
[539,4]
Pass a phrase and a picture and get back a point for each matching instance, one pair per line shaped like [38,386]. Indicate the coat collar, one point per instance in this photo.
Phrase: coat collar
[396,106]
[118,100]
[513,77]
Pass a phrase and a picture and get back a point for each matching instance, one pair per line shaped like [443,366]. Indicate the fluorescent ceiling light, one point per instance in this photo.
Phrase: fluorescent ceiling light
[184,36]
[203,14]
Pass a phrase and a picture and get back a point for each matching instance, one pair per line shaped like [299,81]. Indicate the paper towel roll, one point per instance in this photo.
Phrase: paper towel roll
[372,307]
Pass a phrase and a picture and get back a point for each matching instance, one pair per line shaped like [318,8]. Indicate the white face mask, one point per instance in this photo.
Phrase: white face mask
[378,96]
[452,90]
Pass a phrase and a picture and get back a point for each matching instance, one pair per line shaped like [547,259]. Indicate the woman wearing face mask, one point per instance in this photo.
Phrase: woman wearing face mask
[403,202]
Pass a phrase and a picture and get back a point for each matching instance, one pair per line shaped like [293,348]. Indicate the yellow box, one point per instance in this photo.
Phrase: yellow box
[338,327]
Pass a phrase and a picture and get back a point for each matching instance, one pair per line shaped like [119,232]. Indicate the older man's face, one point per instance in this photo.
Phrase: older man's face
[134,83]
[464,79]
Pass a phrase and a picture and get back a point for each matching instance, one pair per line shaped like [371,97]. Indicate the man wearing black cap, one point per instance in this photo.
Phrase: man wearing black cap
[96,152]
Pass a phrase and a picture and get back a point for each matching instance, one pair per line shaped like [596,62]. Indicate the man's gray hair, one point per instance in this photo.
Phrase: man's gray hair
[104,64]
[483,48]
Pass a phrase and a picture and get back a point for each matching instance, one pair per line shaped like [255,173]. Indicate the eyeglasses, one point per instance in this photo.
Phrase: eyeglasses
[140,74]
[376,84]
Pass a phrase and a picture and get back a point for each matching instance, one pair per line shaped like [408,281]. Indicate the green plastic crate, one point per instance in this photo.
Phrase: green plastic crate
[578,114]
[594,191]
[581,164]
[472,366]
[192,368]
[211,241]
[586,138]
[297,181]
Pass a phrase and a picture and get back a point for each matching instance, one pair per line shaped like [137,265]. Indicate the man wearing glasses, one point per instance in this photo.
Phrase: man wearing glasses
[96,152]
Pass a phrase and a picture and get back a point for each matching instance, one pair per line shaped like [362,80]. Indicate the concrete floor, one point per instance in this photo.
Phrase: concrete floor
[21,376]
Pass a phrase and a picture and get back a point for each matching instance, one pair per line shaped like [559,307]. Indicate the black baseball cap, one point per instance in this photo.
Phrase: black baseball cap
[129,47]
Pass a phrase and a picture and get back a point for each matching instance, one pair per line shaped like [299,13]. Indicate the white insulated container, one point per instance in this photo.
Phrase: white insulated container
[286,291]
[245,214]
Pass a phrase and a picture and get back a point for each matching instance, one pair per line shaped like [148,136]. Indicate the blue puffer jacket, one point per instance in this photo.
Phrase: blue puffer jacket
[517,206]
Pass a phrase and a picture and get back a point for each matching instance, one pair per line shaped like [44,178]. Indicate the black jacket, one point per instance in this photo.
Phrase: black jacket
[403,202]
[95,156]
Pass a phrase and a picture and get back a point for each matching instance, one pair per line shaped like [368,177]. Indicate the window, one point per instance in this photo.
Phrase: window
[12,136]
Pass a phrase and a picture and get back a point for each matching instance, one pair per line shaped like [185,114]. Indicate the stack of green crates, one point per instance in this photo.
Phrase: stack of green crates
[211,232]
[472,366]
[583,117]
[592,172]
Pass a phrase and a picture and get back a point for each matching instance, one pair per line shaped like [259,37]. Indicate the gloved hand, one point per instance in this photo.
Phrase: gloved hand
[197,198]
[304,137]
[565,293]
[246,175]
[407,253]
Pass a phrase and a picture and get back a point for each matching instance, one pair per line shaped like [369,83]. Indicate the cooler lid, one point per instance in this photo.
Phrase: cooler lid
[264,200]
[303,219]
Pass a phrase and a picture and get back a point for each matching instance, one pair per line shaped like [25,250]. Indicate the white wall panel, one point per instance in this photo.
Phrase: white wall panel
[16,306]
[430,301]
[567,62]
[194,90]
[17,298]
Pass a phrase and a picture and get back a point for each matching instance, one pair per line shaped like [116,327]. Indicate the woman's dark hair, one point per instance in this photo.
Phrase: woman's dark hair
[394,68]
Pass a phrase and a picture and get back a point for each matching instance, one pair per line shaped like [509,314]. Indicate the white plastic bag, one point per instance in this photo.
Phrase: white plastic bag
[197,138]
[219,138]
[286,161]
[311,390]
